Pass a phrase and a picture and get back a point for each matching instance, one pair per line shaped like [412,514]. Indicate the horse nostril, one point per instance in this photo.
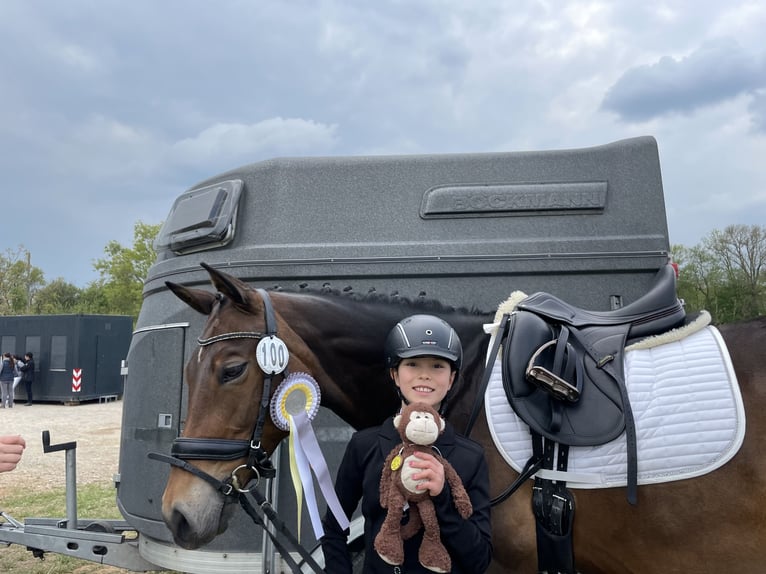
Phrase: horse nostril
[183,534]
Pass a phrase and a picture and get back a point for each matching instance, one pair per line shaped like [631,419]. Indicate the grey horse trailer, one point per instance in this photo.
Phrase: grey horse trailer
[587,224]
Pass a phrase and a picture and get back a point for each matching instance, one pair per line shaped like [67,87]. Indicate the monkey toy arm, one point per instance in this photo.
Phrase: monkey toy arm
[459,494]
[386,477]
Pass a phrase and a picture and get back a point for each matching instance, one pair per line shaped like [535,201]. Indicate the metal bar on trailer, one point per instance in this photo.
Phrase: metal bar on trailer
[112,549]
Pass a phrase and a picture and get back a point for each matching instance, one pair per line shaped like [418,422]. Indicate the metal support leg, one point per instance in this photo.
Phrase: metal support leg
[71,476]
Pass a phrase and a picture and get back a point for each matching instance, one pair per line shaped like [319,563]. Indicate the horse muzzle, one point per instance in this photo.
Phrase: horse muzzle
[191,511]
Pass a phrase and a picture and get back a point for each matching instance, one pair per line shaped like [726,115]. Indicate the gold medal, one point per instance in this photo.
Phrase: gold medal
[396,462]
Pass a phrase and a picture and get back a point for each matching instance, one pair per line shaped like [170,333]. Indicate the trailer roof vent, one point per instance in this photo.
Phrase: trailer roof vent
[201,219]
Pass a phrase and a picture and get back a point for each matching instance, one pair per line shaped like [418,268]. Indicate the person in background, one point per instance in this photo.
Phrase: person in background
[11,449]
[6,381]
[17,364]
[28,376]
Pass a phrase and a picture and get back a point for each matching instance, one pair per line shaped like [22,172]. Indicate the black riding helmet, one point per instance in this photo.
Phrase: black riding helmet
[423,335]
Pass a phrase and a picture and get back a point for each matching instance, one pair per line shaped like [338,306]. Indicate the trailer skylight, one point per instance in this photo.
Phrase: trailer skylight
[201,219]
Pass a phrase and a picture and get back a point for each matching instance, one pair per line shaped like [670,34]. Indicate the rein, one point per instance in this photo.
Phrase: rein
[258,461]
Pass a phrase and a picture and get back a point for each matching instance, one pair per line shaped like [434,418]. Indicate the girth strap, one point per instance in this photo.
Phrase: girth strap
[553,507]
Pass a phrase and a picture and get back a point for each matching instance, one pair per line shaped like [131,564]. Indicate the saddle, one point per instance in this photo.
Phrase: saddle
[563,366]
[563,376]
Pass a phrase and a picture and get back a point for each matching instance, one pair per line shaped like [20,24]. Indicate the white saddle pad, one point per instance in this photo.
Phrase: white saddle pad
[687,408]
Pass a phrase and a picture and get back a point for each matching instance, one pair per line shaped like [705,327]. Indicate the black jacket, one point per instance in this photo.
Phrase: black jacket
[467,541]
[28,371]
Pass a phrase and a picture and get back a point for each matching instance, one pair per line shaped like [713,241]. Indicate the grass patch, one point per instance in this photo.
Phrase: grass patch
[93,501]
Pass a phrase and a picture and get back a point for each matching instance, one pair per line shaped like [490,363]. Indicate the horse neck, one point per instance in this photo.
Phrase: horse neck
[347,336]
[470,329]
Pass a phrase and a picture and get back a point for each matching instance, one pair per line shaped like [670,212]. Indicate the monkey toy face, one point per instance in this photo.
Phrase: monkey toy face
[419,424]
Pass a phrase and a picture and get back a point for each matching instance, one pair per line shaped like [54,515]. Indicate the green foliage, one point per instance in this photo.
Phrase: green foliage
[23,290]
[725,273]
[19,281]
[57,297]
[124,269]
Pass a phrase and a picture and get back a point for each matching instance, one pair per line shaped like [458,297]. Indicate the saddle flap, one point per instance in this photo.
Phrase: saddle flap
[594,418]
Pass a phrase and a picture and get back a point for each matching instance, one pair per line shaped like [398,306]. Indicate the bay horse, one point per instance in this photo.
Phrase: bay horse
[708,524]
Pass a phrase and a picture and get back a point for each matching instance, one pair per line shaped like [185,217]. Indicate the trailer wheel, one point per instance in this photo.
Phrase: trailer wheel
[100,526]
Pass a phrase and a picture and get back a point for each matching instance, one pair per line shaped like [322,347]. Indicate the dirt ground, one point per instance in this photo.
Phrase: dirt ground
[95,427]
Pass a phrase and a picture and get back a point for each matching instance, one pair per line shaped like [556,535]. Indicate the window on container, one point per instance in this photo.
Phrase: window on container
[8,343]
[58,353]
[32,345]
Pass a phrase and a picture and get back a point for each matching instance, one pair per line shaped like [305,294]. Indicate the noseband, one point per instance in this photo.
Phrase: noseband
[192,448]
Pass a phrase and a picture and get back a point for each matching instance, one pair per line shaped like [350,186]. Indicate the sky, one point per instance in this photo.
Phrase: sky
[111,109]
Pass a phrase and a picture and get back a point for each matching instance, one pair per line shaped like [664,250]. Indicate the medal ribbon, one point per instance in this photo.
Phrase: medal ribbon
[304,452]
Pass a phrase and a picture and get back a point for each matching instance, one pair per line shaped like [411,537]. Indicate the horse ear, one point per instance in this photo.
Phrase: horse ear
[230,286]
[197,299]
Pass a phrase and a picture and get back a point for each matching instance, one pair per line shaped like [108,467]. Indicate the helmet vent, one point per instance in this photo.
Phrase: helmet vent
[404,335]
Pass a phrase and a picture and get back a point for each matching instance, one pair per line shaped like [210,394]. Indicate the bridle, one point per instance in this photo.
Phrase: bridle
[184,449]
[258,461]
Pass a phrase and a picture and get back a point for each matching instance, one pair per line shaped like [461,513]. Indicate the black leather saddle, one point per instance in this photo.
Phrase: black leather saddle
[562,365]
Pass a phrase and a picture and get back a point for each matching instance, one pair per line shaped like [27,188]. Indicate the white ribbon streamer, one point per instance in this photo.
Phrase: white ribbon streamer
[294,404]
[298,421]
[308,441]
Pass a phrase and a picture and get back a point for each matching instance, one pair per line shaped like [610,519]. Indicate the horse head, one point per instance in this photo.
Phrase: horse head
[228,435]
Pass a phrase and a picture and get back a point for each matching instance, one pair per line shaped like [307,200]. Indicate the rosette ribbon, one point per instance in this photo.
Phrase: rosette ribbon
[294,405]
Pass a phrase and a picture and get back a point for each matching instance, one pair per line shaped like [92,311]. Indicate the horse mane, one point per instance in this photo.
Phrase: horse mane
[421,303]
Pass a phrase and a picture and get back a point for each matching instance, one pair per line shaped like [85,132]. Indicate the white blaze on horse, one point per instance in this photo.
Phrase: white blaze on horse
[705,524]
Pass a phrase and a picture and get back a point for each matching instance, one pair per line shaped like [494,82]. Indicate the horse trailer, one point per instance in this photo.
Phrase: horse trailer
[586,224]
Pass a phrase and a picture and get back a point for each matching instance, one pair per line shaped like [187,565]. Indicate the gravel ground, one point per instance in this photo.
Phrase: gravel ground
[95,427]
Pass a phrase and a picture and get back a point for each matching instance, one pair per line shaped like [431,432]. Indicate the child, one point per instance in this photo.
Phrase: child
[423,354]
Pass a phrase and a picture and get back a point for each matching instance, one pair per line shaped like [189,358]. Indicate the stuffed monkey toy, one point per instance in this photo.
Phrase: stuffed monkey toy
[419,426]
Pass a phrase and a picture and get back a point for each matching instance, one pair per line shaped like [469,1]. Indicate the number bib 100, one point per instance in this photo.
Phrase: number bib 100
[272,355]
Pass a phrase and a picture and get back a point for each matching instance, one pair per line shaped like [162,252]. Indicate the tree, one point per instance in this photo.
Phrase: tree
[93,300]
[741,250]
[699,279]
[725,273]
[56,297]
[124,269]
[19,281]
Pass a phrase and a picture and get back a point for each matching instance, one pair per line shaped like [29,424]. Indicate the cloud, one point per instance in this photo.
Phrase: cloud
[757,111]
[109,110]
[714,73]
[231,144]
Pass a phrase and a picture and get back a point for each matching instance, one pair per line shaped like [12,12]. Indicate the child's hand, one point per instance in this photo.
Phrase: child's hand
[431,473]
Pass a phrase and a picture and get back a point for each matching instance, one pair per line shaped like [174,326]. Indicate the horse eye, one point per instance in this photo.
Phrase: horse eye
[233,372]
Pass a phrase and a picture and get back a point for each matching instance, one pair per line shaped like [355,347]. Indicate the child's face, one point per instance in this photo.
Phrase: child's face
[424,379]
